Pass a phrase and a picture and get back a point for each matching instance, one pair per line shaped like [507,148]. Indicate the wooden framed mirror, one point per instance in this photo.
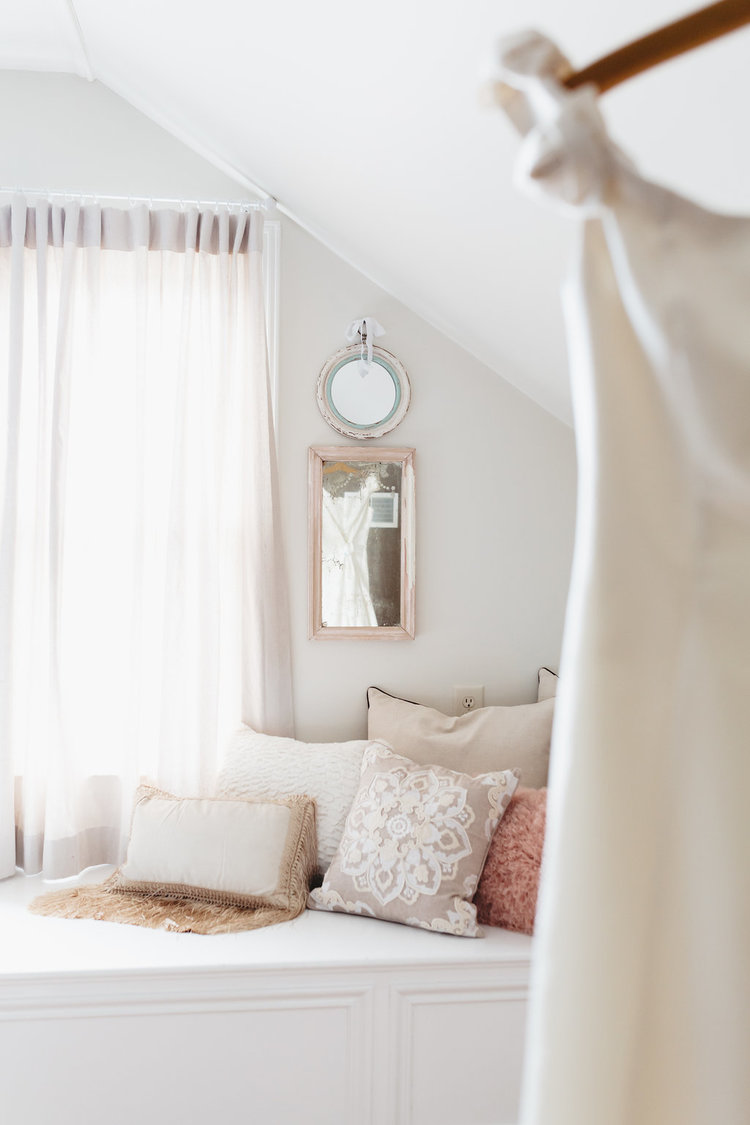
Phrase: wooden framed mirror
[361,543]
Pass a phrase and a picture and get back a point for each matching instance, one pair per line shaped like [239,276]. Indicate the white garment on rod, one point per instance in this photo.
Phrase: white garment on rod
[640,1007]
[143,606]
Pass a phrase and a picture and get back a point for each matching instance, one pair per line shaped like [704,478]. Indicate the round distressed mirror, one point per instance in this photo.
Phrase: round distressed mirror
[361,397]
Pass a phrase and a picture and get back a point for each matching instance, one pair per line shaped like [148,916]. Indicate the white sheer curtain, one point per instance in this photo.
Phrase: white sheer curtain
[640,1011]
[143,607]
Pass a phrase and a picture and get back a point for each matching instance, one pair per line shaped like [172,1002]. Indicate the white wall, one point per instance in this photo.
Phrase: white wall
[495,473]
[495,485]
[61,133]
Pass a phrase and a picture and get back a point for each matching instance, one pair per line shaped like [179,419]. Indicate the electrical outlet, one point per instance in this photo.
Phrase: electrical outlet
[467,698]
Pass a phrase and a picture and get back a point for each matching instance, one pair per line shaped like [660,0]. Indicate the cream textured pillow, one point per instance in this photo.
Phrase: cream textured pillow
[414,844]
[228,852]
[491,738]
[262,765]
[547,684]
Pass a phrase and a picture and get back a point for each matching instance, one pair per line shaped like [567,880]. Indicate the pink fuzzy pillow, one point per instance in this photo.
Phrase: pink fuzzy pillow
[506,895]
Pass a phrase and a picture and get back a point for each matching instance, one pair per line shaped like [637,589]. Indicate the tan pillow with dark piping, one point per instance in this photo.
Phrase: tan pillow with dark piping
[492,738]
[547,680]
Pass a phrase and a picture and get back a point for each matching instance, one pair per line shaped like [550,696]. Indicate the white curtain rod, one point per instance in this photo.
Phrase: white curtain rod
[268,205]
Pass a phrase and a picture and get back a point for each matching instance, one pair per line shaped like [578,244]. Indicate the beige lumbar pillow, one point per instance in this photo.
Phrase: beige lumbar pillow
[236,852]
[415,843]
[203,866]
[490,738]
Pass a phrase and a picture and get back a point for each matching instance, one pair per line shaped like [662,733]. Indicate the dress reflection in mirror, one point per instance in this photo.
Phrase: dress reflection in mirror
[361,575]
[345,575]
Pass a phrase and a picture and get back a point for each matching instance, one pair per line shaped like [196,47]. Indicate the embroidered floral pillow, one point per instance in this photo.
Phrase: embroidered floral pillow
[414,843]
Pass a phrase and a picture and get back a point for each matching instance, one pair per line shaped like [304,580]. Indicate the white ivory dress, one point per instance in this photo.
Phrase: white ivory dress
[640,1011]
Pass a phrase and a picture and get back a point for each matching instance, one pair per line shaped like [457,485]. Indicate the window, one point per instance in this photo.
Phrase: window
[140,560]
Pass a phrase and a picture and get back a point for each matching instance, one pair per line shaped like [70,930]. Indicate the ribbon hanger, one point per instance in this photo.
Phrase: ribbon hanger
[366,327]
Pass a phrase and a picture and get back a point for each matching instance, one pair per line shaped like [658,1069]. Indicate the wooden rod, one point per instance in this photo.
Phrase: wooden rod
[667,43]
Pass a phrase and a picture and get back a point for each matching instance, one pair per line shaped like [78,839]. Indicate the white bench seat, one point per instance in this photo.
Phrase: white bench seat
[327,1019]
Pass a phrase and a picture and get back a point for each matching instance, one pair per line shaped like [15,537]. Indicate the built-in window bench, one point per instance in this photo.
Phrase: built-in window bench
[326,1020]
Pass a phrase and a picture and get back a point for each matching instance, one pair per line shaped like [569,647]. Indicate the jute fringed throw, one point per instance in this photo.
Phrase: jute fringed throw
[249,880]
[105,904]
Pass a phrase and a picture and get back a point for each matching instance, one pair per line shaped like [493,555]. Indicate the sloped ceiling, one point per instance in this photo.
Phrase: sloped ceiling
[364,122]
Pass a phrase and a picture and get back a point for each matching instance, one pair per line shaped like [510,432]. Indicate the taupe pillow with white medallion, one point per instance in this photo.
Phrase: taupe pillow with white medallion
[415,843]
[491,738]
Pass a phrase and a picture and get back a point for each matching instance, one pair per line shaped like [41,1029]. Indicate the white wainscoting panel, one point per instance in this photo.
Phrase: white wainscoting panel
[166,1055]
[461,1055]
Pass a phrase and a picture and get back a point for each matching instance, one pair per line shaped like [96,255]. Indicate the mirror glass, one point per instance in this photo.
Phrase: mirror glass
[361,398]
[361,392]
[361,565]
